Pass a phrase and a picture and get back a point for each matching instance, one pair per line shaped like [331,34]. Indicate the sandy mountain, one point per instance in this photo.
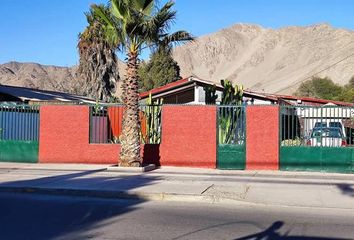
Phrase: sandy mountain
[37,76]
[270,60]
[45,77]
[264,60]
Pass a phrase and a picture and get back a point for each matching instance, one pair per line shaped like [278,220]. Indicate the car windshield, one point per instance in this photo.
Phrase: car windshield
[335,124]
[327,132]
[320,125]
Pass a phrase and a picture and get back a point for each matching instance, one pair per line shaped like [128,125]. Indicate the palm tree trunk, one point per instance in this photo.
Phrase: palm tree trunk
[130,139]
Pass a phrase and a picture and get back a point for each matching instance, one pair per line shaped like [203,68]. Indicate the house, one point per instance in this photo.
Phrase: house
[191,91]
[185,91]
[36,96]
[298,116]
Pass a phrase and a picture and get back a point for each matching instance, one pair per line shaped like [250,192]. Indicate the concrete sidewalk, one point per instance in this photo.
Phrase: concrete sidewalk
[301,189]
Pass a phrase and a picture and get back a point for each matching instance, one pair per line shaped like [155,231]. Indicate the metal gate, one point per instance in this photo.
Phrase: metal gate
[106,123]
[231,137]
[19,133]
[317,138]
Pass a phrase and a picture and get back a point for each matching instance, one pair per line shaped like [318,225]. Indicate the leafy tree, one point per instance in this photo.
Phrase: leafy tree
[158,71]
[327,89]
[162,68]
[98,70]
[131,26]
[350,84]
[319,88]
[347,95]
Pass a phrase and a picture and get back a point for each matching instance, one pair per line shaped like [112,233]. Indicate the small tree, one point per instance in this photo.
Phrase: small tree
[160,70]
[347,95]
[319,88]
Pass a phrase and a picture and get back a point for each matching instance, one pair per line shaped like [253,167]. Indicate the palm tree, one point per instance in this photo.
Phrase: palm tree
[98,70]
[167,42]
[133,25]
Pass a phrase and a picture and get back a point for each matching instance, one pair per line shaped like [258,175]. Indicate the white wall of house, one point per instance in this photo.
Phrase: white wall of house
[253,101]
[261,102]
[199,95]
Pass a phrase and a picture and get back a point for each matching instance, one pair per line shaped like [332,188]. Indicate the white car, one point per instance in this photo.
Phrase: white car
[327,137]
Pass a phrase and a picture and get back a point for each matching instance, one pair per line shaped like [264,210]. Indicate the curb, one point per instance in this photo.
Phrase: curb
[139,196]
[142,169]
[110,194]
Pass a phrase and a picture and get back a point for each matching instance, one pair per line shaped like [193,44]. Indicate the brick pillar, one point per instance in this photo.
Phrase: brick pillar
[262,138]
[188,136]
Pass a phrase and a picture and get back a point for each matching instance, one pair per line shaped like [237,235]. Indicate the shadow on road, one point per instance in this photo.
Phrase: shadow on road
[37,216]
[272,233]
[346,189]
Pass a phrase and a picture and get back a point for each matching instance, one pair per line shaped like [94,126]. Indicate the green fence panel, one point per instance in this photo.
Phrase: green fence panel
[337,159]
[316,159]
[231,157]
[300,159]
[19,151]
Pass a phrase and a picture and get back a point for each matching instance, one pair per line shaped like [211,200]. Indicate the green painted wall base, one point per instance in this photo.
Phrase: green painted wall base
[231,157]
[19,151]
[317,159]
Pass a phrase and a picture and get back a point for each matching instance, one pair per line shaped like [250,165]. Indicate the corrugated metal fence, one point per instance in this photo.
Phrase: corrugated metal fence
[19,133]
[19,122]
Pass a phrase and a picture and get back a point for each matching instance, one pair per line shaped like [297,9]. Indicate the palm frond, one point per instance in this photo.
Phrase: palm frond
[112,31]
[120,9]
[158,25]
[178,37]
[134,22]
[163,18]
[143,6]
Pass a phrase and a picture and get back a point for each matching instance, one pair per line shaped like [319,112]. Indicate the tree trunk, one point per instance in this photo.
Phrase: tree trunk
[130,138]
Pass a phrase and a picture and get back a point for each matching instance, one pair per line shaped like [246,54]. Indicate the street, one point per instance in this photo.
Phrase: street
[34,216]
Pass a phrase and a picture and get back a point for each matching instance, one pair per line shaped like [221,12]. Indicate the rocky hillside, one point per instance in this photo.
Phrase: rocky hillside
[270,60]
[265,60]
[34,75]
[38,76]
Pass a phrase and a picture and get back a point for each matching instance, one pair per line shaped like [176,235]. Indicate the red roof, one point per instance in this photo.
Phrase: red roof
[314,100]
[164,88]
[260,95]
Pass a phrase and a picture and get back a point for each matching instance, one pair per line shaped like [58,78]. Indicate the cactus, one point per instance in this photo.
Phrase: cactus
[231,95]
[96,108]
[229,117]
[152,117]
[210,94]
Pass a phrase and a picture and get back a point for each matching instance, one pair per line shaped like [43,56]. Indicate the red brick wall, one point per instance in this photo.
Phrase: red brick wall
[64,137]
[188,136]
[262,136]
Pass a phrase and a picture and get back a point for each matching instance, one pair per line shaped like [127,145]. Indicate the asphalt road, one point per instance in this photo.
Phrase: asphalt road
[30,216]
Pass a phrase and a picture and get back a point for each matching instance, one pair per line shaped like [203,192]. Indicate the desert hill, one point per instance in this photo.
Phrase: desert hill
[270,60]
[262,59]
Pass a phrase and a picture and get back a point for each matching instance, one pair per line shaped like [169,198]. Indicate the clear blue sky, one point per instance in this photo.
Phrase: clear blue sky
[45,31]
